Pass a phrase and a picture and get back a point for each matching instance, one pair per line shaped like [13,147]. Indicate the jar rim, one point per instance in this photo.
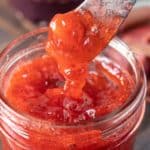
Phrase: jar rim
[139,91]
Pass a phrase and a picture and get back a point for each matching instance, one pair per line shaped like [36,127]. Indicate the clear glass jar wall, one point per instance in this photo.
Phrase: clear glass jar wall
[116,131]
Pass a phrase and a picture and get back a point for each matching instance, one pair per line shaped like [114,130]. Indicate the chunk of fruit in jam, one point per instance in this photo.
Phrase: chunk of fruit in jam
[73,42]
[73,36]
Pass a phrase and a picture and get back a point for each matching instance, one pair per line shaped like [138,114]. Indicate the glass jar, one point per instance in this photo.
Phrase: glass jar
[40,10]
[115,131]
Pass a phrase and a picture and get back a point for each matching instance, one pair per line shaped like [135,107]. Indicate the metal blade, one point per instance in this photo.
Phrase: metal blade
[110,13]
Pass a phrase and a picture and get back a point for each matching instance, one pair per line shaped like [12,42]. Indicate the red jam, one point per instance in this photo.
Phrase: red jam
[67,87]
[34,89]
[75,38]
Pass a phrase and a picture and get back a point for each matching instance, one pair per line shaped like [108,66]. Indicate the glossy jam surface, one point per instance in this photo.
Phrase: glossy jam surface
[75,38]
[34,89]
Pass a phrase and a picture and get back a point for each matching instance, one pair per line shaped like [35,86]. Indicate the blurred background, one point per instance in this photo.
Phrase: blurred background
[21,16]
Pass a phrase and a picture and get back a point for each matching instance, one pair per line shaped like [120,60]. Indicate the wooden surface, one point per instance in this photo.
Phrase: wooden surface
[12,26]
